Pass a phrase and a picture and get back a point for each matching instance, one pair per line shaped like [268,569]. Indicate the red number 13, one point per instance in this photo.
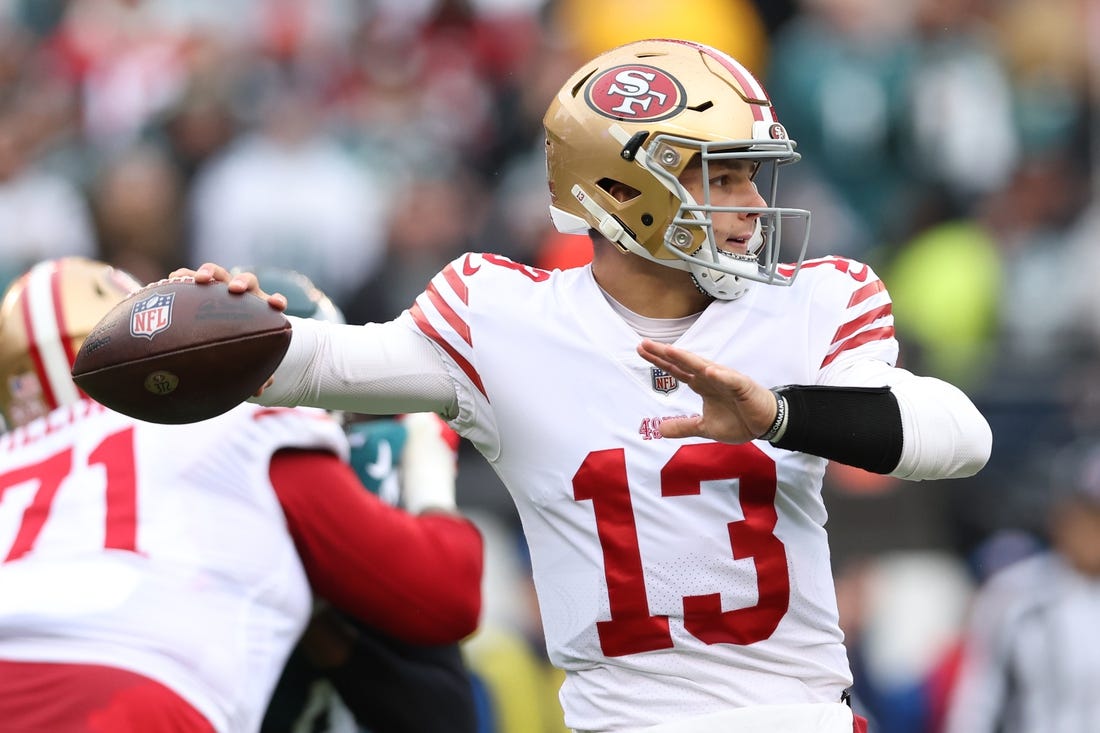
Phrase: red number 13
[602,480]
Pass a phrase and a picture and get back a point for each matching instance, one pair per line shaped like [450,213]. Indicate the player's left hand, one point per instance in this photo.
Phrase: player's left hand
[736,408]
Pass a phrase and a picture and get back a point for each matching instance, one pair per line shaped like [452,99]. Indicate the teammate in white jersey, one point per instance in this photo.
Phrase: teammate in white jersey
[155,578]
[684,585]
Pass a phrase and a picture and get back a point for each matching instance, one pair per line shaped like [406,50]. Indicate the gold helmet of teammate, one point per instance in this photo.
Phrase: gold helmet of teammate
[636,117]
[44,317]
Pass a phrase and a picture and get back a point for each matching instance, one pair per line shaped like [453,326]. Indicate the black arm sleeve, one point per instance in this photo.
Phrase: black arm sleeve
[395,687]
[389,686]
[856,426]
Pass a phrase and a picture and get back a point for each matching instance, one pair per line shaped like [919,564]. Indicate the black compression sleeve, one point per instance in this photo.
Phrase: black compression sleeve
[395,687]
[857,426]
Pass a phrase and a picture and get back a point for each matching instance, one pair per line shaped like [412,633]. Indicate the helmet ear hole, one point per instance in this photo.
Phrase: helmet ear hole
[621,192]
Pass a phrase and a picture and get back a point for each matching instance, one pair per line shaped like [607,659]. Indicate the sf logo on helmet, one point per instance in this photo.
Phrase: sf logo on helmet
[635,93]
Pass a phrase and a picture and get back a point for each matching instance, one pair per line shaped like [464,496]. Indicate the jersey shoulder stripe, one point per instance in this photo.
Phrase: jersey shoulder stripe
[869,290]
[450,274]
[445,311]
[461,327]
[868,310]
[864,337]
[420,318]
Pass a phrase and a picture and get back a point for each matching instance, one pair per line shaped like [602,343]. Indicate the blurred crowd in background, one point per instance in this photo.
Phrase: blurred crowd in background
[951,144]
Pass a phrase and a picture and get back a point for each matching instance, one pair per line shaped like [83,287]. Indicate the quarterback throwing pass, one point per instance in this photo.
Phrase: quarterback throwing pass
[663,417]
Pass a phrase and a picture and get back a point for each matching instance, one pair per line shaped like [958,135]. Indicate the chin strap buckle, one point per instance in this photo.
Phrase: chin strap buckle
[607,224]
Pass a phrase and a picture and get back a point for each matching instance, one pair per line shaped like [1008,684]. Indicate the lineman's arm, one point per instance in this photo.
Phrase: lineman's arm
[415,577]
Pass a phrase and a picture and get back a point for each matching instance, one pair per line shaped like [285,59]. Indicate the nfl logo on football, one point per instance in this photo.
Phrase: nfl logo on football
[663,381]
[152,315]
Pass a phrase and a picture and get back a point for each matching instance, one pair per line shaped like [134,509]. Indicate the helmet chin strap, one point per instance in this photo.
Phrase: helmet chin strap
[722,285]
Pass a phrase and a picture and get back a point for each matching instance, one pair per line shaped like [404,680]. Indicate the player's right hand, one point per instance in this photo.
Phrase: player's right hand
[237,282]
[736,408]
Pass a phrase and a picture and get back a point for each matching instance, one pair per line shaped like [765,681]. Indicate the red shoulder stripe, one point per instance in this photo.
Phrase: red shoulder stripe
[875,334]
[460,326]
[422,323]
[865,292]
[456,282]
[865,320]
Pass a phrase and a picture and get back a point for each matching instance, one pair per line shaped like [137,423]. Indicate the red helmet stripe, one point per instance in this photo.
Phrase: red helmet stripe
[59,316]
[49,343]
[32,343]
[744,77]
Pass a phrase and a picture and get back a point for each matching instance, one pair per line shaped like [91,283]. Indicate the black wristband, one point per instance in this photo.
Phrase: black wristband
[780,418]
[856,426]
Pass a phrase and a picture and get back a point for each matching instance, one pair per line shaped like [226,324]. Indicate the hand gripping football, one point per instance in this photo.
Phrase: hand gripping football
[179,352]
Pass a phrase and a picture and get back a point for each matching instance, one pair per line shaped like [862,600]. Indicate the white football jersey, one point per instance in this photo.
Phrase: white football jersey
[674,577]
[158,549]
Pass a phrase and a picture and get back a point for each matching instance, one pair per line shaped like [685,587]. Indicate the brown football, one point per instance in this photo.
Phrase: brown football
[179,352]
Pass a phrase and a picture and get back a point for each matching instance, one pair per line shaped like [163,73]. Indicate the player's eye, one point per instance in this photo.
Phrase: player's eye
[735,173]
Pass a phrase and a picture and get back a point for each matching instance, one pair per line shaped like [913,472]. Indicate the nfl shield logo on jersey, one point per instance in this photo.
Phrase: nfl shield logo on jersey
[152,315]
[663,381]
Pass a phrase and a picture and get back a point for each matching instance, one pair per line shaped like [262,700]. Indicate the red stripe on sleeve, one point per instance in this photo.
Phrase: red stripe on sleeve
[460,326]
[415,577]
[875,334]
[866,319]
[422,323]
[865,292]
[456,283]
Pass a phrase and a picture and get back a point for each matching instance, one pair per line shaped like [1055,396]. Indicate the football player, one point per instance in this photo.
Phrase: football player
[155,578]
[684,584]
[344,675]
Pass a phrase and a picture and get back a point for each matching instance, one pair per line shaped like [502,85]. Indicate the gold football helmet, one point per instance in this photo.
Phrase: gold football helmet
[44,317]
[637,115]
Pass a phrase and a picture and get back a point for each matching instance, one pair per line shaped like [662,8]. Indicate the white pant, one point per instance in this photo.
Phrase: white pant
[832,717]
